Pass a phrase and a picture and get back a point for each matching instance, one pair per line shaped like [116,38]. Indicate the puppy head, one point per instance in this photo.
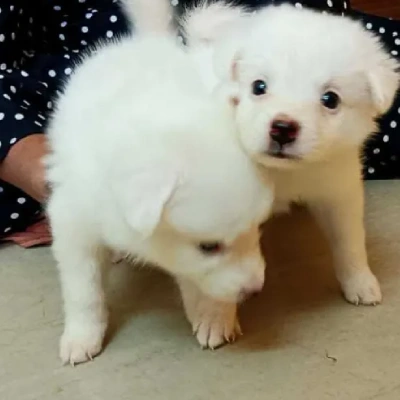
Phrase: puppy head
[305,84]
[198,207]
[227,266]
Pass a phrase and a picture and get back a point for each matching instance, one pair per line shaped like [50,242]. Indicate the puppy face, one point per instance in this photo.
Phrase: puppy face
[206,227]
[305,84]
[225,268]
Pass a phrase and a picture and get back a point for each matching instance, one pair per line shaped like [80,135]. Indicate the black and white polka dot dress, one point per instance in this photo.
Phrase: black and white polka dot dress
[41,39]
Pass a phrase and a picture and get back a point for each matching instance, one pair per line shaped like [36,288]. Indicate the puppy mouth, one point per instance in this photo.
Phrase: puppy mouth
[280,152]
[282,156]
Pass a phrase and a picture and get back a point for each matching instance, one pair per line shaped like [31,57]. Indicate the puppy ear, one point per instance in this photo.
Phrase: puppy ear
[384,82]
[228,92]
[143,194]
[227,57]
[226,66]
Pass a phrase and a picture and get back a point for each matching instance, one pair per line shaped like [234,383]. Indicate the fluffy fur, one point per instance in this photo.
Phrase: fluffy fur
[208,21]
[149,16]
[143,161]
[300,55]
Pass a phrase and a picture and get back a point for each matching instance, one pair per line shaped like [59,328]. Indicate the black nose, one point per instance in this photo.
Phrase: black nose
[284,131]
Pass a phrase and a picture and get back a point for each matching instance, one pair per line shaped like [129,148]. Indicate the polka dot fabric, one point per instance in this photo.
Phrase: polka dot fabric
[41,41]
[382,152]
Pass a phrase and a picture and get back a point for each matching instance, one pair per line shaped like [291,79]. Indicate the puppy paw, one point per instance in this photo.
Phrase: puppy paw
[216,326]
[79,347]
[362,288]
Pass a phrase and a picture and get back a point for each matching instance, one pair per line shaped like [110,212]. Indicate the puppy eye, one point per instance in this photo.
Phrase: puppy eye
[211,248]
[259,87]
[330,100]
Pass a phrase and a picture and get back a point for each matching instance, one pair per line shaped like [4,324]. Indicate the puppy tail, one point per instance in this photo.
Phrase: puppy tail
[208,20]
[149,16]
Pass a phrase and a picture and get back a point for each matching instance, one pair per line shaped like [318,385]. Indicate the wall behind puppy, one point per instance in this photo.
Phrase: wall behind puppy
[385,8]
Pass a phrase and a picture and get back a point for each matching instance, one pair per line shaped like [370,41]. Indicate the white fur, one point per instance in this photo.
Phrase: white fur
[143,162]
[149,16]
[208,20]
[301,54]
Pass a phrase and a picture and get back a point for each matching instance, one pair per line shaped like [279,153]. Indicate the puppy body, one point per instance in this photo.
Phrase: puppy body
[301,56]
[143,161]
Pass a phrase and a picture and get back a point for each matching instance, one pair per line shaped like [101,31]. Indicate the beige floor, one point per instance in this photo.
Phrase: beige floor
[291,331]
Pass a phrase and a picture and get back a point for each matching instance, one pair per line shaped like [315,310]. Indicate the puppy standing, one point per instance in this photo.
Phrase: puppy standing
[145,158]
[307,89]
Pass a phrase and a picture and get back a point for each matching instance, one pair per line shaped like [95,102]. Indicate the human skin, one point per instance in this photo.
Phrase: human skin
[23,166]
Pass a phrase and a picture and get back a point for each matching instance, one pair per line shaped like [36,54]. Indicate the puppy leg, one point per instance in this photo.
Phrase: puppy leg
[214,323]
[79,264]
[85,311]
[341,217]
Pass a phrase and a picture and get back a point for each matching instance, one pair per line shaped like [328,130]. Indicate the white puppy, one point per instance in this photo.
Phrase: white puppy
[307,89]
[143,161]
